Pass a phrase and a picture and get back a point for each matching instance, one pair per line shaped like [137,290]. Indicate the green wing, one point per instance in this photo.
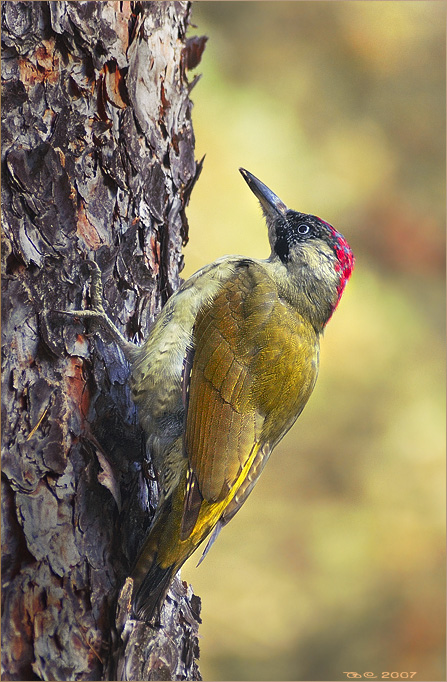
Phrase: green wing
[254,367]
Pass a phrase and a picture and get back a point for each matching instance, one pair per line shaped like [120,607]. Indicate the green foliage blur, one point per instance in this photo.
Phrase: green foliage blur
[336,562]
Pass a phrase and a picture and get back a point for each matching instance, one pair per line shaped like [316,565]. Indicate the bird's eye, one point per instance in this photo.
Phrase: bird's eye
[303,229]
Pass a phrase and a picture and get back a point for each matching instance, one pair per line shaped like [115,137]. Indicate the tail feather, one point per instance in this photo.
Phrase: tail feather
[151,593]
[213,537]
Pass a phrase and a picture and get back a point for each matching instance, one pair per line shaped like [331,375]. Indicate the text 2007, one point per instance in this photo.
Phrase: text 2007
[384,676]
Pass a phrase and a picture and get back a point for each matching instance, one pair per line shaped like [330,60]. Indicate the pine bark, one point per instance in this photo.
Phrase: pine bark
[97,163]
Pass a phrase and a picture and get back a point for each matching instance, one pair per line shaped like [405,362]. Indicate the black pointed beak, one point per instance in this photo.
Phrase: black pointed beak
[271,204]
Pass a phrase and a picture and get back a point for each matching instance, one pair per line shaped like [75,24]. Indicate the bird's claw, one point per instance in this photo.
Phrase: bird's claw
[97,312]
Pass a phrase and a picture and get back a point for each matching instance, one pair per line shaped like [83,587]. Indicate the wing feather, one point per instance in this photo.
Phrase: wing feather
[253,369]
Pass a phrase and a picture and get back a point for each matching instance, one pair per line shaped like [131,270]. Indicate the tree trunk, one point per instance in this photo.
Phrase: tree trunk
[97,163]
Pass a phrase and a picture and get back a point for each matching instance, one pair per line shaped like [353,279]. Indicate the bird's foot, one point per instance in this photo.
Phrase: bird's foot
[98,315]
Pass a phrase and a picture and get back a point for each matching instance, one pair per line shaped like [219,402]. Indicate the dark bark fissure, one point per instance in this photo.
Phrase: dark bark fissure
[97,163]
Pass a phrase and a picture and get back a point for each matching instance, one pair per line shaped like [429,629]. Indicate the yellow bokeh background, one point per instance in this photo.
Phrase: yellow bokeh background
[336,563]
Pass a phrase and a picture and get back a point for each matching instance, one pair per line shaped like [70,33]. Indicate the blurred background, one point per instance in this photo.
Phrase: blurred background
[336,562]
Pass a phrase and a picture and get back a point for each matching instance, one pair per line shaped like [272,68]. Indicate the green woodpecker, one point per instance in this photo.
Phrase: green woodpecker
[228,367]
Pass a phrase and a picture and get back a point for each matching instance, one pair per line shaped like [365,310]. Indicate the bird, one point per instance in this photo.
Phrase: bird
[226,370]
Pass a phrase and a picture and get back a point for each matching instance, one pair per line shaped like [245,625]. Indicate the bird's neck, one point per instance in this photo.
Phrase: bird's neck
[313,294]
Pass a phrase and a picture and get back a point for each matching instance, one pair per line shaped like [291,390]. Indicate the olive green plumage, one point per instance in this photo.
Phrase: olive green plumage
[228,367]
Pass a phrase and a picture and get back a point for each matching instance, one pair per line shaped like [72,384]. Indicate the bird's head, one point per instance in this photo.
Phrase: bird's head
[313,260]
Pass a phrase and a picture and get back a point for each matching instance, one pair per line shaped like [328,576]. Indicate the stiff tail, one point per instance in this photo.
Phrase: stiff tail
[150,594]
[153,573]
[169,543]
